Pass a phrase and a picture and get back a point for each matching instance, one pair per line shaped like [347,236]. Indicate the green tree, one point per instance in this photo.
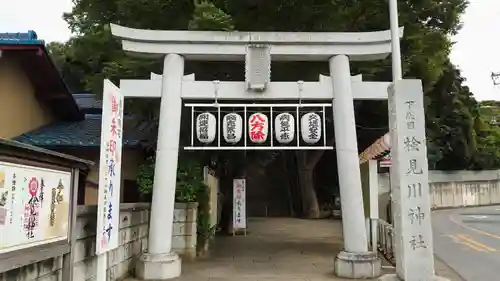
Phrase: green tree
[487,136]
[93,54]
[450,116]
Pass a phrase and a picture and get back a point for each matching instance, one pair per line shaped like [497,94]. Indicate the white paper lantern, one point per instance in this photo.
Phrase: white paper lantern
[206,127]
[284,128]
[311,127]
[232,127]
[258,127]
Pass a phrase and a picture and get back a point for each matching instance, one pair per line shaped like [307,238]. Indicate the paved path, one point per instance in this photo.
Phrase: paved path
[468,240]
[278,249]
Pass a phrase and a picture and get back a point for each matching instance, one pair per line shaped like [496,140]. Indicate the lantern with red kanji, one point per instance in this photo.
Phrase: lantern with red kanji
[311,128]
[258,127]
[206,127]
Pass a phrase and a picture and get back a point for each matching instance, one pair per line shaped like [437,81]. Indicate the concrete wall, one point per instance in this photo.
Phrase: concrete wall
[184,236]
[453,189]
[121,261]
[20,111]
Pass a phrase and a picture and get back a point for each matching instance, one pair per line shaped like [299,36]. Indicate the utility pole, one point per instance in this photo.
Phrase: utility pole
[495,78]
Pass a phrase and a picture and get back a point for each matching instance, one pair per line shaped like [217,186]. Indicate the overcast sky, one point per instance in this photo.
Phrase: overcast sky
[477,49]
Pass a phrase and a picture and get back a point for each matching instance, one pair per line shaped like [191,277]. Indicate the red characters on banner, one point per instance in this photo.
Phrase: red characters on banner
[113,127]
[114,105]
[112,146]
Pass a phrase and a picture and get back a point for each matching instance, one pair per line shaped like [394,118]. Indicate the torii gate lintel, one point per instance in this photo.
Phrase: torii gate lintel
[192,89]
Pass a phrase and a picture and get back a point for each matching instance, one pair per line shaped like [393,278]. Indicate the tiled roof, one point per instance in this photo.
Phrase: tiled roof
[86,133]
[87,101]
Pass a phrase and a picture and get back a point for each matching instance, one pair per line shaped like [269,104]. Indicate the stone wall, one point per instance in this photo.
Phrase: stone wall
[133,234]
[184,233]
[449,189]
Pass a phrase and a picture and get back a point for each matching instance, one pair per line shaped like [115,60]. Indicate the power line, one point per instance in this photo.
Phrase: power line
[495,77]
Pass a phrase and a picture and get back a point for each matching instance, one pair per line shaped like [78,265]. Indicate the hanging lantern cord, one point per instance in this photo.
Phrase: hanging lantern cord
[216,91]
[301,88]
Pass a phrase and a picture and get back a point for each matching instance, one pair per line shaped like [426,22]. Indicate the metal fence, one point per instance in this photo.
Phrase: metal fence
[385,239]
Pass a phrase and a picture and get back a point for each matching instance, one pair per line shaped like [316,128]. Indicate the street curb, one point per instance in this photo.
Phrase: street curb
[463,207]
[450,268]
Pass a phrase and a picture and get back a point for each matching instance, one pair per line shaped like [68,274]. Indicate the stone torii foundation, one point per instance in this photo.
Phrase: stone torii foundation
[256,49]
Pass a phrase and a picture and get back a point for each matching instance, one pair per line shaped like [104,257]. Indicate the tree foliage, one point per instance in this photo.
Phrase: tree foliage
[93,53]
[458,127]
[451,112]
[458,138]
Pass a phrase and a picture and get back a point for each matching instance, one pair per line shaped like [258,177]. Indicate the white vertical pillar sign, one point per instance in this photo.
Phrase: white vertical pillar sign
[351,196]
[239,205]
[108,213]
[409,182]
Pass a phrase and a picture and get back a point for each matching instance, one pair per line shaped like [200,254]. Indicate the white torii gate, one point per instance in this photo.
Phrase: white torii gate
[256,49]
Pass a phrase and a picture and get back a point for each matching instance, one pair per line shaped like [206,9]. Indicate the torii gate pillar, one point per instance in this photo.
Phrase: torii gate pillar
[159,263]
[355,261]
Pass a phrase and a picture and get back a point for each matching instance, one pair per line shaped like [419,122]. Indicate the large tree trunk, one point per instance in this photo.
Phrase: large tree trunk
[291,209]
[306,164]
[310,206]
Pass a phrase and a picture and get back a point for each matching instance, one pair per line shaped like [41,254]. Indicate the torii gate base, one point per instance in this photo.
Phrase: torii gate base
[159,263]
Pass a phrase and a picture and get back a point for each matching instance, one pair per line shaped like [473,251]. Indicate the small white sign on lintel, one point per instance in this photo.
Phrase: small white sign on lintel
[257,67]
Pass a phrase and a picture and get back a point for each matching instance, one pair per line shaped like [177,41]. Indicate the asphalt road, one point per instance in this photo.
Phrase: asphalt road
[468,240]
